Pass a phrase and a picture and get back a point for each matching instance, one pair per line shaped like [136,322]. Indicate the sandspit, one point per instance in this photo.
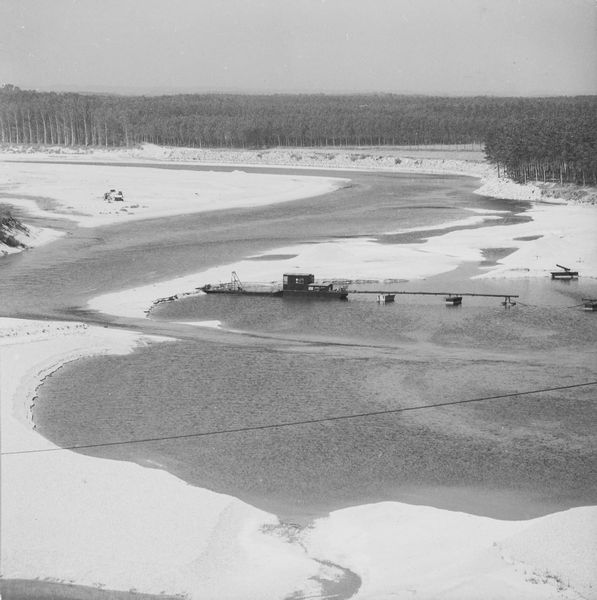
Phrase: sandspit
[556,234]
[76,192]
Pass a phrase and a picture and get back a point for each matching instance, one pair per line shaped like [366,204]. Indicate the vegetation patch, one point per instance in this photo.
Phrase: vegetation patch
[9,225]
[553,144]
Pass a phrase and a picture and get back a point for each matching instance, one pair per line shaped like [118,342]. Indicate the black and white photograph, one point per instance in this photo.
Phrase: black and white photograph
[298,299]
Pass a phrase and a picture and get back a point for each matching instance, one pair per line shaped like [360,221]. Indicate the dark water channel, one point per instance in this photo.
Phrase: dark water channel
[513,458]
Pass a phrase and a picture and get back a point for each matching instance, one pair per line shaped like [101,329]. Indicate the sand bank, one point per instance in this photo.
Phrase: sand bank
[563,233]
[403,551]
[76,192]
[400,159]
[29,237]
[559,234]
[71,518]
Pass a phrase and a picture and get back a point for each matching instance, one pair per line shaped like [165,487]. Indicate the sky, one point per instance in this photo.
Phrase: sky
[443,47]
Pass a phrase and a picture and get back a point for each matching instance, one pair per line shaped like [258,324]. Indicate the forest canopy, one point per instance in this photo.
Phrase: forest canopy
[528,138]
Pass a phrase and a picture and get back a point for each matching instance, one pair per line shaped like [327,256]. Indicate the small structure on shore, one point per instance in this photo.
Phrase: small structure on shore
[565,273]
[114,196]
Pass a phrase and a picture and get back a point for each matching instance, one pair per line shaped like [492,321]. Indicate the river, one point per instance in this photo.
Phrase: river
[516,457]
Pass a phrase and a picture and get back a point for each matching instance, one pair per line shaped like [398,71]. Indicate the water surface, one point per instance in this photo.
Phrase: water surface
[512,458]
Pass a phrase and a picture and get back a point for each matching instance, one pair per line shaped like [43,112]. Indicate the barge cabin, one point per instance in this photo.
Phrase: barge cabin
[302,285]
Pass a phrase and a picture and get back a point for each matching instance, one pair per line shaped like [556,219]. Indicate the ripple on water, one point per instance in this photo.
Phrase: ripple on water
[515,458]
[533,453]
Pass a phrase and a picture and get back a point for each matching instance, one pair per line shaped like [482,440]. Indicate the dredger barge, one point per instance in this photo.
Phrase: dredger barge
[294,285]
[302,285]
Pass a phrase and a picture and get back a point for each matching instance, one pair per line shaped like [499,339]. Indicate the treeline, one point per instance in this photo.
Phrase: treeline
[548,145]
[228,120]
[530,137]
[240,121]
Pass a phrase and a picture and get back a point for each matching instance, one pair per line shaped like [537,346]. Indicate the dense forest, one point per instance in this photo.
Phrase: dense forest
[547,146]
[528,138]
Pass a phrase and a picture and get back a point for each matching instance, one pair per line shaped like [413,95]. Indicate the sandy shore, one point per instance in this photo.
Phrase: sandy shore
[557,234]
[76,192]
[68,517]
[32,237]
[72,518]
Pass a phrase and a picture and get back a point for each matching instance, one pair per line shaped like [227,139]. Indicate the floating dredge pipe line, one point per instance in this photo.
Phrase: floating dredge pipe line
[433,293]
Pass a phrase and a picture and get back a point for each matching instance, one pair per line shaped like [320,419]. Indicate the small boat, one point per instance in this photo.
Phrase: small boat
[452,300]
[566,273]
[385,298]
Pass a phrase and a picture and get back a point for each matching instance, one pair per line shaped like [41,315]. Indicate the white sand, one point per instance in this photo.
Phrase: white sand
[403,551]
[97,522]
[567,232]
[76,191]
[215,324]
[567,236]
[72,518]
